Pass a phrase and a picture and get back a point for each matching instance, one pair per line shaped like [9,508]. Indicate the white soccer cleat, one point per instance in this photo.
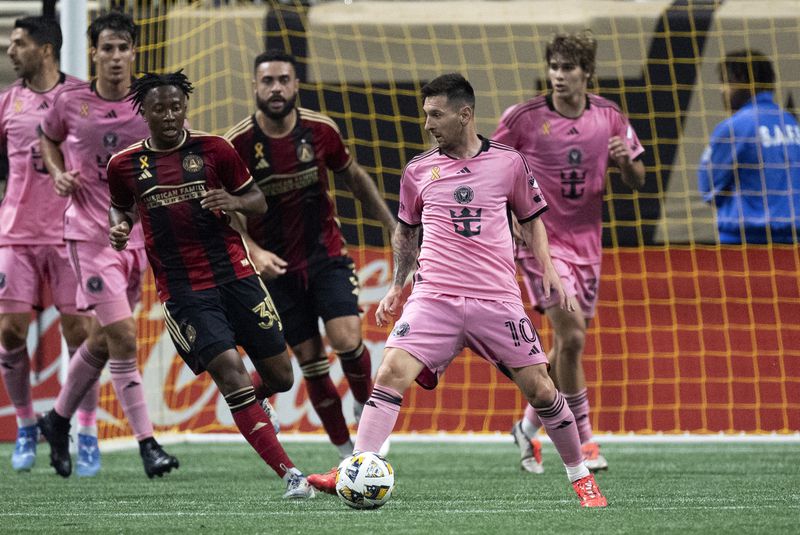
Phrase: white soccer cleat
[592,458]
[530,450]
[297,488]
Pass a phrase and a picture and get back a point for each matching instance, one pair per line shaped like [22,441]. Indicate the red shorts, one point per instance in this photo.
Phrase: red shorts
[579,280]
[110,282]
[24,270]
[434,328]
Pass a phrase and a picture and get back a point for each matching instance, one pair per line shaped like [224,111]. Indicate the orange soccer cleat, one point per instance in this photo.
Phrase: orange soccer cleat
[587,490]
[324,482]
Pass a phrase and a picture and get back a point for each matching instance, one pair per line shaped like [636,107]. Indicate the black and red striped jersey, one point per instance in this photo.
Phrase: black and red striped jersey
[300,224]
[189,248]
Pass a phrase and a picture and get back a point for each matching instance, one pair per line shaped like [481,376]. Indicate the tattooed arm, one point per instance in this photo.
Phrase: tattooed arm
[405,245]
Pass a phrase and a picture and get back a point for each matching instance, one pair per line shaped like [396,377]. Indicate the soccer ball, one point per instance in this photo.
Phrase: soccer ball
[364,481]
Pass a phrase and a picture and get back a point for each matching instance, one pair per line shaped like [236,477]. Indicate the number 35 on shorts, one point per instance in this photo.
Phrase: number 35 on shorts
[268,313]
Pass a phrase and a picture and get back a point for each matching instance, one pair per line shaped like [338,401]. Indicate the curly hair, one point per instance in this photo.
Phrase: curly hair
[141,86]
[580,48]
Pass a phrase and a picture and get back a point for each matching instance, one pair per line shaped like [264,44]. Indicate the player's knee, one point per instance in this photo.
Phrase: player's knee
[281,379]
[229,372]
[571,344]
[390,373]
[543,393]
[121,337]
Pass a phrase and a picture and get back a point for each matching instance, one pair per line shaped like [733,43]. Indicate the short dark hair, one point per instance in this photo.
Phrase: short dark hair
[43,31]
[580,48]
[454,86]
[747,67]
[116,22]
[274,54]
[141,86]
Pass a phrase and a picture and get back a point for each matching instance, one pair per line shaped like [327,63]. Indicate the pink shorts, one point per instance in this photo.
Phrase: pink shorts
[434,328]
[579,280]
[110,282]
[23,272]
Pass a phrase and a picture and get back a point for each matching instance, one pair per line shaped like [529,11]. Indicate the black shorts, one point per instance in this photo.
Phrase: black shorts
[205,323]
[328,290]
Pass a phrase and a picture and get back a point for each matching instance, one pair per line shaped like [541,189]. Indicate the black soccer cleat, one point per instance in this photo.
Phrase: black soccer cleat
[55,430]
[156,461]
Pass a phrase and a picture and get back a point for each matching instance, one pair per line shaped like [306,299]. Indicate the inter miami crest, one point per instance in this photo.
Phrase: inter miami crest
[401,329]
[463,194]
[94,285]
[574,157]
[110,140]
[192,163]
[305,152]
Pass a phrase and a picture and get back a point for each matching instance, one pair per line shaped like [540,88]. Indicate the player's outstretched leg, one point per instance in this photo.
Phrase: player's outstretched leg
[55,429]
[377,421]
[559,422]
[229,374]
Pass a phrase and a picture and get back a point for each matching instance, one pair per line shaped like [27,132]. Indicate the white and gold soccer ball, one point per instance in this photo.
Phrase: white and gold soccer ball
[365,481]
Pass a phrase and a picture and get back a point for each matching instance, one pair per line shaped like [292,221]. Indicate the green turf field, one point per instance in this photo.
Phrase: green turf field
[441,488]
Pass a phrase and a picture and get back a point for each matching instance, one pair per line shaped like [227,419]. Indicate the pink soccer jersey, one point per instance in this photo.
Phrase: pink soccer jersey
[31,212]
[569,158]
[91,129]
[463,208]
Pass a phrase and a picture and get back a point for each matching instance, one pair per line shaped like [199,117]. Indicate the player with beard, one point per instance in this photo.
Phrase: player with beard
[32,249]
[297,245]
[457,198]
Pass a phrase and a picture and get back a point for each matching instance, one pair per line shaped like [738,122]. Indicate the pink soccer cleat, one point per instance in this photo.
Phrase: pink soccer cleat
[587,490]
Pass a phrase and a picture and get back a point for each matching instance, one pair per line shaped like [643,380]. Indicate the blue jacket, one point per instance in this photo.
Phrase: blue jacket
[751,171]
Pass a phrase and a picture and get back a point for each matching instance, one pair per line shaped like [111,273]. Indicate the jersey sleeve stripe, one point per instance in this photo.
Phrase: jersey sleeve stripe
[534,215]
[240,128]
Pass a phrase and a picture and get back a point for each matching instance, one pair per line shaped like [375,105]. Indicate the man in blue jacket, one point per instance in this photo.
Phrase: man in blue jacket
[751,167]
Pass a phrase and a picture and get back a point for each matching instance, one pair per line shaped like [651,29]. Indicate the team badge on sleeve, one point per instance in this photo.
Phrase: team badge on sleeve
[532,182]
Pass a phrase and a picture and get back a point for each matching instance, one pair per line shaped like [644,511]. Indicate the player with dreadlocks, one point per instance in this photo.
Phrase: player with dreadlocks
[182,184]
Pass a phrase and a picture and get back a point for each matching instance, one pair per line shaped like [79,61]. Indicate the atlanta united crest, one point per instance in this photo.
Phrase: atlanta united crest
[305,152]
[192,163]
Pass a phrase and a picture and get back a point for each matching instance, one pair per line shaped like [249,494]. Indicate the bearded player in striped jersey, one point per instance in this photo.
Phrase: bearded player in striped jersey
[297,245]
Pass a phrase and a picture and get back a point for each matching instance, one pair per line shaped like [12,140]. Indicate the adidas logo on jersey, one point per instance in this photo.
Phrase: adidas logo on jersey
[572,131]
[262,164]
[145,175]
[43,106]
[111,115]
[464,171]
